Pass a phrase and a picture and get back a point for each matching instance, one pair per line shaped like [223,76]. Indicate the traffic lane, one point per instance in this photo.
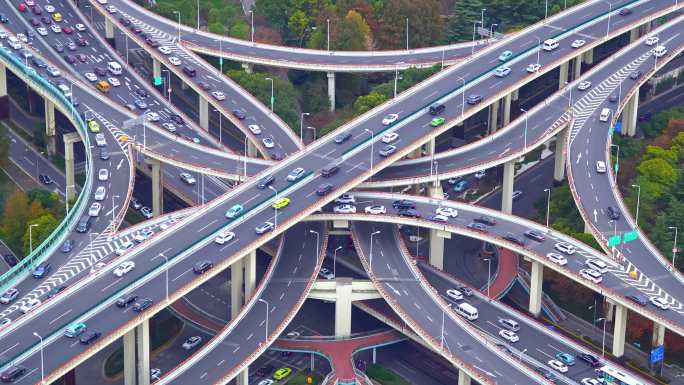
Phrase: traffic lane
[392,270]
[31,161]
[292,272]
[537,344]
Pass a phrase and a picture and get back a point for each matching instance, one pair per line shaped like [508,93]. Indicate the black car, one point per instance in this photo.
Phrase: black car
[177,119]
[42,270]
[12,373]
[67,246]
[71,59]
[264,371]
[202,266]
[625,12]
[190,71]
[136,203]
[341,138]
[411,213]
[387,150]
[35,22]
[404,204]
[99,71]
[265,181]
[536,235]
[613,213]
[124,21]
[613,97]
[512,238]
[142,305]
[324,189]
[478,227]
[489,221]
[589,359]
[4,19]
[153,43]
[56,291]
[135,29]
[204,85]
[104,154]
[46,20]
[142,93]
[126,300]
[39,63]
[89,337]
[635,75]
[45,179]
[639,299]
[277,155]
[11,260]
[239,113]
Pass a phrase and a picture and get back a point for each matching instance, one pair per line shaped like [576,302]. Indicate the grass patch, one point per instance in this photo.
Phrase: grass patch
[300,378]
[385,376]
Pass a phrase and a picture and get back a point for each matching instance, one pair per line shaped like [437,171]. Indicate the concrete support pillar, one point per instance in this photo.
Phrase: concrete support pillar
[249,263]
[242,377]
[563,76]
[252,149]
[629,115]
[236,286]
[506,110]
[436,236]
[537,277]
[69,140]
[248,67]
[109,29]
[184,85]
[610,311]
[331,90]
[515,95]
[157,187]
[343,305]
[507,187]
[50,128]
[463,378]
[156,68]
[129,358]
[619,329]
[493,117]
[589,56]
[3,80]
[559,161]
[658,338]
[577,68]
[634,34]
[203,113]
[142,335]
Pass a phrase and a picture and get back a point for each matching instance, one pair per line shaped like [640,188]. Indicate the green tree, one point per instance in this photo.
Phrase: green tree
[368,102]
[659,171]
[425,24]
[14,220]
[46,225]
[354,34]
[240,30]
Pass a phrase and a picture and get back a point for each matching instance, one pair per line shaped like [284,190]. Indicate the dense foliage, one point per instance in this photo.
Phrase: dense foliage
[23,209]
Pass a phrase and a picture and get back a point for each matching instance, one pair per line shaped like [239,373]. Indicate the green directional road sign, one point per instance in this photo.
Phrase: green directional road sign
[616,168]
[614,240]
[630,236]
[221,60]
[157,80]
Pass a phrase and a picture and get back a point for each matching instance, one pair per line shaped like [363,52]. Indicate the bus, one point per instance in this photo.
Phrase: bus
[613,376]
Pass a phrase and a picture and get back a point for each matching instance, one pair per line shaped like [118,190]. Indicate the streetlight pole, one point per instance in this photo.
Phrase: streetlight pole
[318,239]
[328,32]
[42,366]
[335,259]
[638,199]
[538,48]
[166,269]
[603,342]
[482,17]
[472,46]
[491,30]
[90,237]
[251,12]
[31,237]
[272,97]
[266,326]
[610,8]
[168,84]
[407,36]
[179,25]
[371,152]
[617,159]
[548,205]
[462,97]
[525,132]
[276,209]
[113,196]
[546,9]
[489,276]
[370,260]
[221,128]
[198,9]
[396,77]
[313,129]
[301,125]
[674,245]
[221,55]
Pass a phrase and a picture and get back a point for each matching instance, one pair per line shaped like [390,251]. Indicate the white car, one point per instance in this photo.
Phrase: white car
[268,142]
[152,116]
[223,237]
[114,82]
[534,67]
[90,76]
[100,140]
[168,126]
[590,381]
[125,245]
[557,259]
[659,51]
[124,268]
[95,209]
[326,273]
[480,174]
[565,247]
[103,174]
[447,212]
[454,294]
[52,71]
[55,28]
[558,366]
[192,342]
[584,85]
[592,275]
[375,209]
[111,9]
[97,267]
[187,178]
[165,50]
[345,198]
[256,130]
[142,235]
[344,209]
[80,27]
[660,302]
[102,1]
[266,381]
[49,8]
[578,43]
[600,167]
[42,31]
[29,305]
[509,335]
[389,119]
[155,373]
[175,61]
[502,72]
[293,334]
[218,95]
[652,40]
[390,137]
[100,193]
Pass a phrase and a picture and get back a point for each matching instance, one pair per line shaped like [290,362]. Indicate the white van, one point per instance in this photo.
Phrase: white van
[467,310]
[14,42]
[114,68]
[605,114]
[550,45]
[65,89]
[597,265]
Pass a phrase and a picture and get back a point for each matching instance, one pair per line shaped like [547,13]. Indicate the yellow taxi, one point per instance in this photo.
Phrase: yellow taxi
[94,126]
[57,17]
[280,203]
[281,373]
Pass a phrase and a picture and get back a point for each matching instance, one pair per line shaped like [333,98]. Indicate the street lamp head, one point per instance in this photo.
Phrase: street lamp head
[338,247]
[376,232]
[37,335]
[672,227]
[313,232]
[263,300]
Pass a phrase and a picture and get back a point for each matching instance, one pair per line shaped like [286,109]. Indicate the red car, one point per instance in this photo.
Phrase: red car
[22,7]
[67,30]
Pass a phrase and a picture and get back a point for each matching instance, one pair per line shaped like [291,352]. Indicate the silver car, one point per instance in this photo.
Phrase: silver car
[100,193]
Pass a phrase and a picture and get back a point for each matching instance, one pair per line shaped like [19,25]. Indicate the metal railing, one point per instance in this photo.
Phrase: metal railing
[43,250]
